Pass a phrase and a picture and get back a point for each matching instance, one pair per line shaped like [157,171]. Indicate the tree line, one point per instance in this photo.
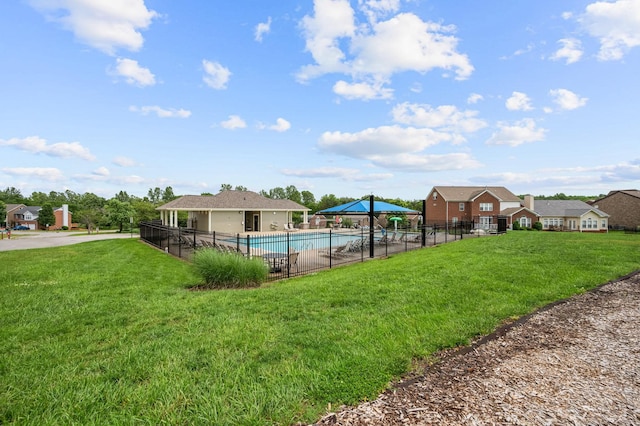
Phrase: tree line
[92,211]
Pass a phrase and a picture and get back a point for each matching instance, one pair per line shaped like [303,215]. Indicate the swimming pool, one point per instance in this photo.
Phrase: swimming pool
[281,243]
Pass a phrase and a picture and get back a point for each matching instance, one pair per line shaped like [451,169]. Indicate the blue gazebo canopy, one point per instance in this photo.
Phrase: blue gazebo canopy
[362,207]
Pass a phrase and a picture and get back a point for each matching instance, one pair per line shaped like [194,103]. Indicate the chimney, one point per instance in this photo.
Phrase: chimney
[528,201]
[65,215]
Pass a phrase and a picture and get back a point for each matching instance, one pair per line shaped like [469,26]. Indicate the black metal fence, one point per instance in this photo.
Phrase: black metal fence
[301,252]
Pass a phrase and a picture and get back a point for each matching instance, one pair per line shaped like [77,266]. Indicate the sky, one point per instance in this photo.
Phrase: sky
[384,97]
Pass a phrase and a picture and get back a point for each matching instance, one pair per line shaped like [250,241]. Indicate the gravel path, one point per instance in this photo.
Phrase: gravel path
[573,363]
[23,240]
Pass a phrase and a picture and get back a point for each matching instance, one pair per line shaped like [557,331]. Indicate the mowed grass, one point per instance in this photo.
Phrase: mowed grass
[107,333]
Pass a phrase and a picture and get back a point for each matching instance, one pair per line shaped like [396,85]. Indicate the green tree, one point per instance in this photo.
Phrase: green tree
[46,216]
[292,193]
[225,187]
[168,195]
[3,213]
[326,201]
[241,188]
[308,200]
[278,193]
[145,211]
[118,212]
[88,210]
[123,196]
[12,196]
[155,195]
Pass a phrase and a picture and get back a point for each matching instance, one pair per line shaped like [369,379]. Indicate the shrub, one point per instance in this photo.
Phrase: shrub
[516,226]
[65,228]
[229,270]
[537,226]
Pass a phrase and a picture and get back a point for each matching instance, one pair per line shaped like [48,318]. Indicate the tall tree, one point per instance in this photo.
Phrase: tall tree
[241,188]
[308,200]
[155,195]
[168,195]
[123,196]
[292,193]
[118,213]
[46,217]
[145,211]
[225,187]
[3,213]
[12,196]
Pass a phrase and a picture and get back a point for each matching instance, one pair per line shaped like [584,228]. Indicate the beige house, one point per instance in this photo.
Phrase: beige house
[233,212]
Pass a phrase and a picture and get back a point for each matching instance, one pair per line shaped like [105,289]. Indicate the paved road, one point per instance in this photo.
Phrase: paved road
[22,240]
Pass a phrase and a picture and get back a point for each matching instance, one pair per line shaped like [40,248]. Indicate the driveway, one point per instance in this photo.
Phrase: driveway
[23,240]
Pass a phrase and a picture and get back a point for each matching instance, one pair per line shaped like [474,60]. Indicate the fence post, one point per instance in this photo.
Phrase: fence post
[330,255]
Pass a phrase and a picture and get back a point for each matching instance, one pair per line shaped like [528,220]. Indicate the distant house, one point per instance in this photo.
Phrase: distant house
[623,208]
[480,204]
[568,215]
[485,205]
[19,214]
[233,212]
[10,219]
[27,216]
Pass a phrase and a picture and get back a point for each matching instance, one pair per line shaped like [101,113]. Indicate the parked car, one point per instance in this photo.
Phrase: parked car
[21,228]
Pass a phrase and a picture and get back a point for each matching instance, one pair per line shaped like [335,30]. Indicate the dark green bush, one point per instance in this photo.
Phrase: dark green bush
[229,270]
[516,226]
[537,226]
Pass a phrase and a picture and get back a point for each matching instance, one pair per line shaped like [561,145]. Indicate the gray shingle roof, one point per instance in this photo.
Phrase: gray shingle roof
[231,200]
[467,193]
[564,208]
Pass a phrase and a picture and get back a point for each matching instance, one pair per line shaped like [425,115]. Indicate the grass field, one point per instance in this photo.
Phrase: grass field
[106,332]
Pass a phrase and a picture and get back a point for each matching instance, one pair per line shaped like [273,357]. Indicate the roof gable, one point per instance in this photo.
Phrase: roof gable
[231,200]
[564,208]
[469,193]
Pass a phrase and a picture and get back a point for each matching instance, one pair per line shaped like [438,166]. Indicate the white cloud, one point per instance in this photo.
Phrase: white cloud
[216,76]
[102,171]
[615,24]
[364,91]
[38,145]
[133,73]
[44,173]
[161,112]
[375,9]
[376,50]
[567,100]
[262,29]
[381,141]
[571,50]
[321,172]
[124,162]
[518,102]
[281,125]
[444,117]
[234,122]
[104,25]
[474,98]
[523,131]
[408,162]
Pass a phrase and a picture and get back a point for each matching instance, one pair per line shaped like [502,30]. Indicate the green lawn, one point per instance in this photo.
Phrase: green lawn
[107,332]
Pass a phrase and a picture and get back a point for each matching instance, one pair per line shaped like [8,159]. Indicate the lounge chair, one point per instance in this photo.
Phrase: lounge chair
[393,238]
[338,251]
[290,261]
[383,240]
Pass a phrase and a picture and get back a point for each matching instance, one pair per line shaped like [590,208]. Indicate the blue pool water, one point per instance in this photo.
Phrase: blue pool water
[300,241]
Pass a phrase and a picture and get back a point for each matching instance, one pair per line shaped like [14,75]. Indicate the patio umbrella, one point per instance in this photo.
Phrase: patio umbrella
[395,222]
[362,206]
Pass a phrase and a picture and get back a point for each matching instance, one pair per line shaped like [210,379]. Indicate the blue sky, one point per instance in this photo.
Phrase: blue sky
[339,97]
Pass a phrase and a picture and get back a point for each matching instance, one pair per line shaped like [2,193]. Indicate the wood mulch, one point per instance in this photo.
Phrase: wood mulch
[576,362]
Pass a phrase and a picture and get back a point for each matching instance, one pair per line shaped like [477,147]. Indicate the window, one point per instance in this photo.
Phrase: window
[604,224]
[486,207]
[525,222]
[461,207]
[435,195]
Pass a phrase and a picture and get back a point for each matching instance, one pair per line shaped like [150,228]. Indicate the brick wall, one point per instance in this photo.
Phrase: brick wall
[624,209]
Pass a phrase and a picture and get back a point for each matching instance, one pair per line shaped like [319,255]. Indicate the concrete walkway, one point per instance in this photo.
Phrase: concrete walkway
[23,240]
